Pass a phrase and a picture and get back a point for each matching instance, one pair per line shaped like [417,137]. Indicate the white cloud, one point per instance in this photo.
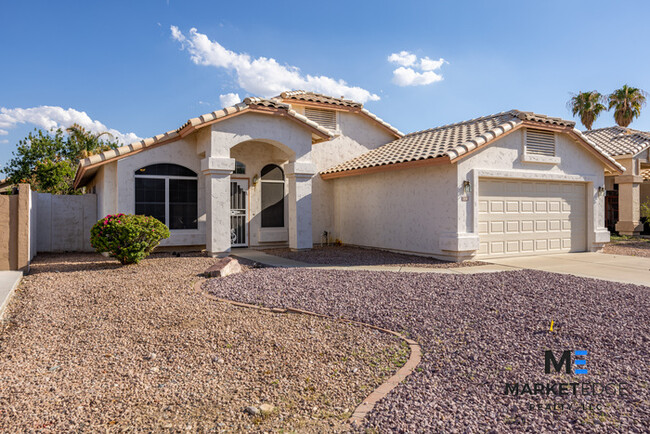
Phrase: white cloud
[229,99]
[407,74]
[263,76]
[403,58]
[49,117]
[409,77]
[4,141]
[427,64]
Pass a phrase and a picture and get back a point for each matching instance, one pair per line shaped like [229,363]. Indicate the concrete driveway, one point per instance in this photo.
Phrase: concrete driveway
[617,268]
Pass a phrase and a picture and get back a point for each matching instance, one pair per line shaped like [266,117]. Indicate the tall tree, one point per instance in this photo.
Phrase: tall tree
[627,103]
[588,105]
[48,161]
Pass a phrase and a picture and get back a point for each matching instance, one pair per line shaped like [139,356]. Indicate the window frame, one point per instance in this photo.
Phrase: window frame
[167,178]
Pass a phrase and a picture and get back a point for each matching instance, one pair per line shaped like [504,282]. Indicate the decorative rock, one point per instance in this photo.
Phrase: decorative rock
[253,411]
[266,409]
[224,267]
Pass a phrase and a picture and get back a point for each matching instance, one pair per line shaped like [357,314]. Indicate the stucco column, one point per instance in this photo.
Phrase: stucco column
[629,204]
[299,175]
[216,173]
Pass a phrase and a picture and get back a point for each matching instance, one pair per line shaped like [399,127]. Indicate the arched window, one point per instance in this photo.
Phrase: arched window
[272,197]
[168,192]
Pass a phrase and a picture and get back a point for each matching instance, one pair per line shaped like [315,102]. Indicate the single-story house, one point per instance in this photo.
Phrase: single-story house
[625,193]
[294,169]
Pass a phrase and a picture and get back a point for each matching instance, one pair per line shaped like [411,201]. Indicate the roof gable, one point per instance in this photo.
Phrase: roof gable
[88,166]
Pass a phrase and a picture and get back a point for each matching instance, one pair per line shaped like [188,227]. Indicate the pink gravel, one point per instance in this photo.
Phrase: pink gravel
[90,346]
[629,248]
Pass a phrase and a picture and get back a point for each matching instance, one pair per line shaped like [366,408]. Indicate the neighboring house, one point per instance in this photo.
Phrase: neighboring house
[625,193]
[285,170]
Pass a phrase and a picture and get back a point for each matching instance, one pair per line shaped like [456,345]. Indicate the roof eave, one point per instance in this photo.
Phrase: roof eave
[387,167]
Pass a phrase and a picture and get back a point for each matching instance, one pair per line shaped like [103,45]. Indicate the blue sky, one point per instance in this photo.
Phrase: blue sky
[120,63]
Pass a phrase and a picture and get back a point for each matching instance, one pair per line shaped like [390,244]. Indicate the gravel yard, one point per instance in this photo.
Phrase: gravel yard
[639,247]
[479,332]
[355,256]
[92,346]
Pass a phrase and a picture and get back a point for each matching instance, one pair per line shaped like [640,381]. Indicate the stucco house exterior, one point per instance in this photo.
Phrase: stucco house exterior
[287,170]
[625,193]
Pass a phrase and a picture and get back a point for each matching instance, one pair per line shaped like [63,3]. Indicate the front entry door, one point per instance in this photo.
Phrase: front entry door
[239,212]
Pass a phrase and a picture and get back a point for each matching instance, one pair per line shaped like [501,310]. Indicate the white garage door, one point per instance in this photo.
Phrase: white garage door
[518,218]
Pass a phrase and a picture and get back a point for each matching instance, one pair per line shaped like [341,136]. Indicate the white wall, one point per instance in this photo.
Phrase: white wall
[406,210]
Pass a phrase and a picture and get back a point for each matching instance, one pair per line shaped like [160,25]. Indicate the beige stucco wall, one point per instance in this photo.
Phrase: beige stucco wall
[406,210]
[16,210]
[357,135]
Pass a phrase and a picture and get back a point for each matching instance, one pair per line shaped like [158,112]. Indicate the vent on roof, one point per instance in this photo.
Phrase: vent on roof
[324,118]
[539,142]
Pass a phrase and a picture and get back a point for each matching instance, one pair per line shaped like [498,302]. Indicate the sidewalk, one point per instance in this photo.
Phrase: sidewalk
[277,261]
[9,281]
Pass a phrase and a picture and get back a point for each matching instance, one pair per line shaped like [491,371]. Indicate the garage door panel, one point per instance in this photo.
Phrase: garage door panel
[524,218]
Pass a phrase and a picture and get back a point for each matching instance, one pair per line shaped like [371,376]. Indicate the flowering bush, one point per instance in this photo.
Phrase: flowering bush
[128,238]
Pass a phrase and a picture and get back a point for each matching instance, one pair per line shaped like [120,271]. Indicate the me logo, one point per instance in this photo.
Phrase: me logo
[565,360]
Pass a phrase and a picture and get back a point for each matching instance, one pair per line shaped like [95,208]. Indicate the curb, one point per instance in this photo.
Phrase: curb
[8,296]
[415,355]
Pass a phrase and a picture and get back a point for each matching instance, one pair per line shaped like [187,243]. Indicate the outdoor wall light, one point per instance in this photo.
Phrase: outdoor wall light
[601,191]
[256,179]
[467,187]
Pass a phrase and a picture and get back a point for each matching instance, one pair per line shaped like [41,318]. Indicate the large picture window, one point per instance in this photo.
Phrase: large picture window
[168,192]
[272,197]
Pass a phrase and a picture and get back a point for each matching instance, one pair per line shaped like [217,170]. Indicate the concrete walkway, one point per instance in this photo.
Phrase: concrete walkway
[616,268]
[9,281]
[277,261]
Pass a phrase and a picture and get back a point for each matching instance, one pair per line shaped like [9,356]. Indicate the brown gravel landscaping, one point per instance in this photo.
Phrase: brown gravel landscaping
[634,247]
[89,345]
[479,332]
[355,256]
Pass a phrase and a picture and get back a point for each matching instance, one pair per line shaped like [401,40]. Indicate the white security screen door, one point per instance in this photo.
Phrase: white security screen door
[239,212]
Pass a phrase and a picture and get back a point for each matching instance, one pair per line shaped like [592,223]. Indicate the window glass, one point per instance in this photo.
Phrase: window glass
[272,197]
[182,204]
[150,197]
[164,170]
[167,197]
[240,168]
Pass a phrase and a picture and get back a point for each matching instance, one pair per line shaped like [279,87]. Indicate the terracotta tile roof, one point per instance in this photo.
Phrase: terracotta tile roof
[452,140]
[250,104]
[619,140]
[302,95]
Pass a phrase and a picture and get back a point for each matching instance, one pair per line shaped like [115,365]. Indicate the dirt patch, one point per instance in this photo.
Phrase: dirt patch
[629,248]
[356,256]
[94,346]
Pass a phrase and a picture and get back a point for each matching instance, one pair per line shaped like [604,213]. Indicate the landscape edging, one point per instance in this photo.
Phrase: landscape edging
[380,392]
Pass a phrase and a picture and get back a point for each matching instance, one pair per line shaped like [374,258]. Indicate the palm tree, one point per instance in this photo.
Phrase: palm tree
[85,143]
[627,102]
[588,105]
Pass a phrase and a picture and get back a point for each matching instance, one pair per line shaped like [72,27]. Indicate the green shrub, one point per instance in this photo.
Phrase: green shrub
[128,238]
